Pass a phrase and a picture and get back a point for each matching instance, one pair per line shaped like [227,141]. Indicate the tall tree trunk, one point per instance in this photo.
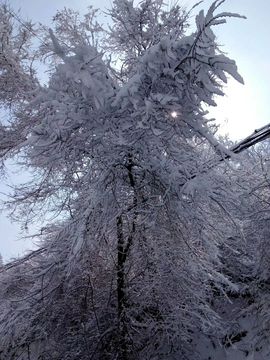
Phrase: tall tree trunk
[121,291]
[123,248]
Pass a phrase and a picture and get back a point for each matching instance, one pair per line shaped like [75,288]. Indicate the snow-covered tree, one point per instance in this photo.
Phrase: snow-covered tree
[127,267]
[255,196]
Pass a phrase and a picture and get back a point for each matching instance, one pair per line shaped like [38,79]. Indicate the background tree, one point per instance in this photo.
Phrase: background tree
[255,201]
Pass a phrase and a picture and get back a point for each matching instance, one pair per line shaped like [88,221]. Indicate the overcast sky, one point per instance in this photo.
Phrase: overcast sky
[243,109]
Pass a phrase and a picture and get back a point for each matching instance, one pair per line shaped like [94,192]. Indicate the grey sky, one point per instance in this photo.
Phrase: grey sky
[244,108]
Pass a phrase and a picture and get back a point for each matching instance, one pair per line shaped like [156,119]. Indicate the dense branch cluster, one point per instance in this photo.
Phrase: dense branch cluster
[131,264]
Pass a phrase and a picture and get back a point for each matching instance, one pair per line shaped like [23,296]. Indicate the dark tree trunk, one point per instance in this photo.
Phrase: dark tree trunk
[123,248]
